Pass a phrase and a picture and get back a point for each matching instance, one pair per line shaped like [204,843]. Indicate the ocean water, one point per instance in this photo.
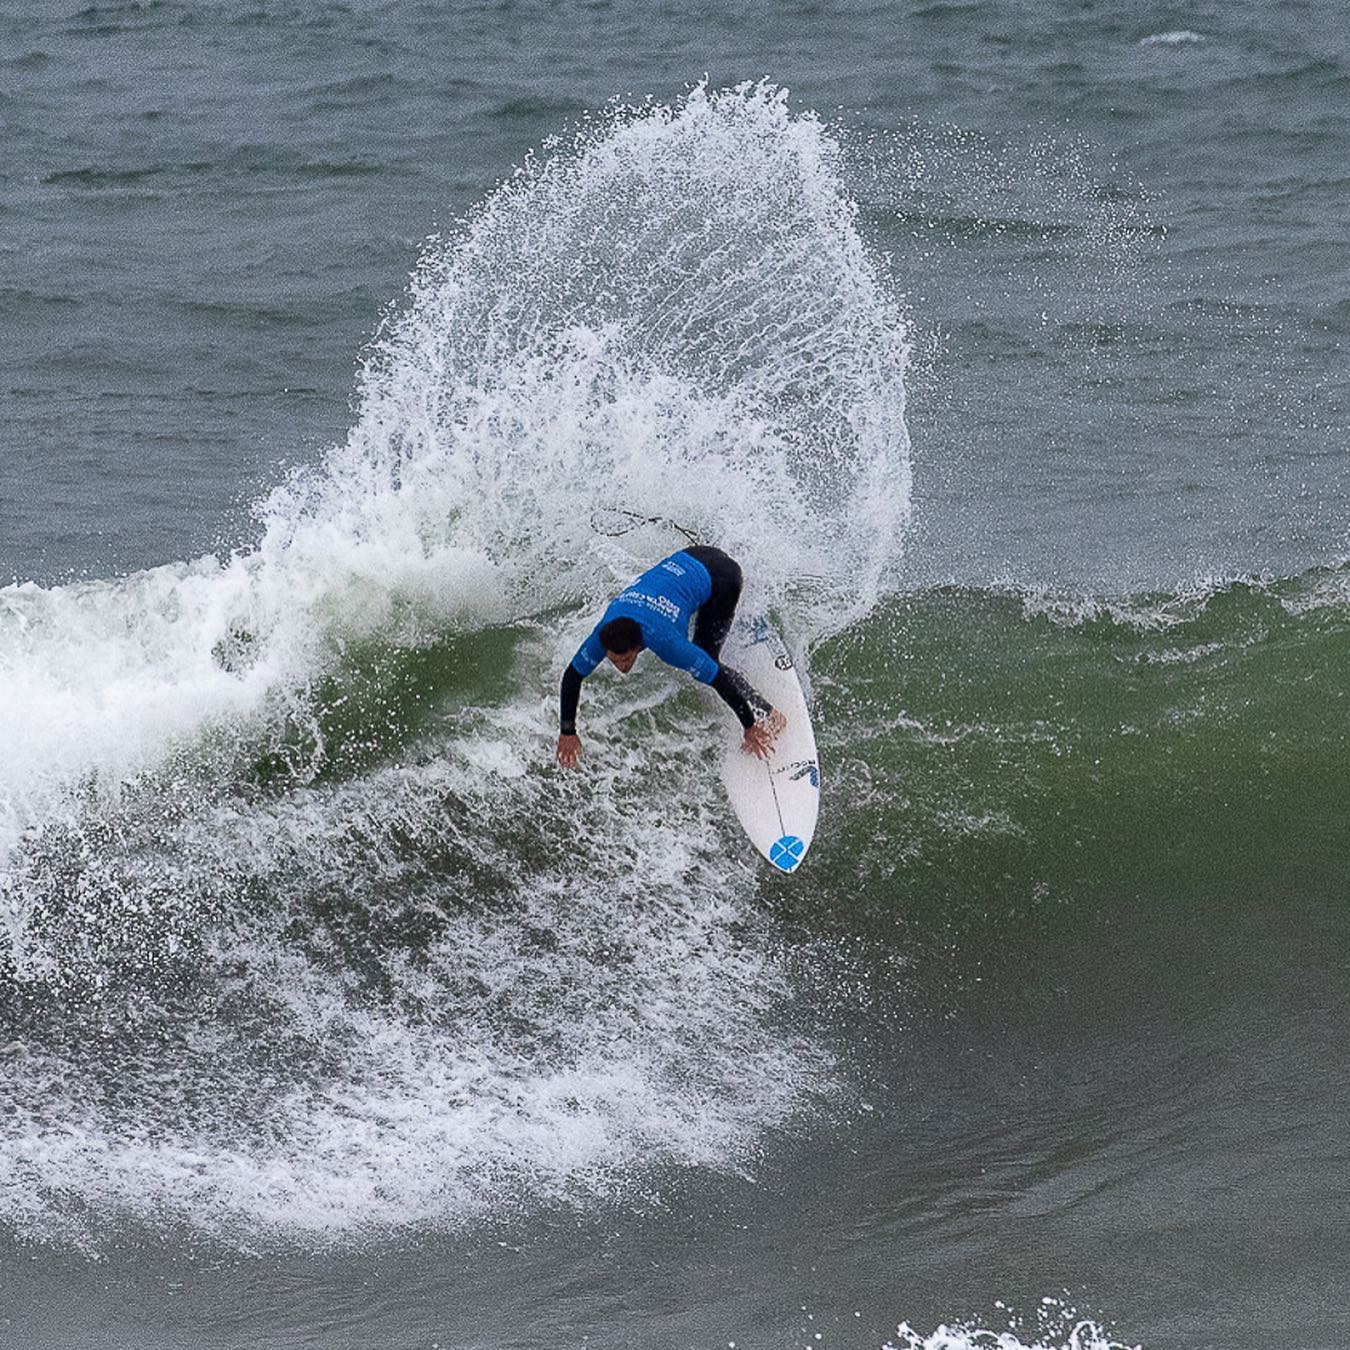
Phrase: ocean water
[1003,343]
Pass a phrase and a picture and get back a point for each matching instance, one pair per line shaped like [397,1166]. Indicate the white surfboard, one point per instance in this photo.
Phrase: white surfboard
[776,799]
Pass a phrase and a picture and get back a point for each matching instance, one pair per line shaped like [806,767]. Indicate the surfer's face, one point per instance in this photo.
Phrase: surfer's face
[623,661]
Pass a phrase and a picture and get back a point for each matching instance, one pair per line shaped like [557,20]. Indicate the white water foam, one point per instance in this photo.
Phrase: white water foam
[1056,1327]
[554,1034]
[454,980]
[675,316]
[1179,37]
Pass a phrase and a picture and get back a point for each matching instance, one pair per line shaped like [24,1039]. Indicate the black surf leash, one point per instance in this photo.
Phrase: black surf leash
[634,520]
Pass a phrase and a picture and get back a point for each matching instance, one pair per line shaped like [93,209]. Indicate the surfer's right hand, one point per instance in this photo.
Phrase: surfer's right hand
[760,737]
[569,751]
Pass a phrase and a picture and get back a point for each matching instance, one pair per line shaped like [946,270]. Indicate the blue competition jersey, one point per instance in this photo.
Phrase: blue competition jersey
[661,601]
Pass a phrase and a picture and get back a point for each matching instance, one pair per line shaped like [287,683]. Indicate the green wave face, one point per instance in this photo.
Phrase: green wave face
[990,756]
[997,755]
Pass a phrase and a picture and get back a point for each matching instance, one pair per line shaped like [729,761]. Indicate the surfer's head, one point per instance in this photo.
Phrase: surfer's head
[622,641]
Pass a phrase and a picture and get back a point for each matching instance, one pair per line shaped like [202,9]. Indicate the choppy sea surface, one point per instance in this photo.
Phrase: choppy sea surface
[1004,345]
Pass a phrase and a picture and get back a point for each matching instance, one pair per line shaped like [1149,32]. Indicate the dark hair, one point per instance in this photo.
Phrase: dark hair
[621,635]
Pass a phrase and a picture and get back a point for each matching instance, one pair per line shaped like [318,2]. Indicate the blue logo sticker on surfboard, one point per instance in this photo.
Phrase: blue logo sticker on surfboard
[786,853]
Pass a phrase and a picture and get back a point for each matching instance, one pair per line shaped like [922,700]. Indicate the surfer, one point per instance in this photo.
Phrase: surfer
[654,612]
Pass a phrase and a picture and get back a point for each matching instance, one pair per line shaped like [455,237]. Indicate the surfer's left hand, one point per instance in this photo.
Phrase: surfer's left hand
[759,738]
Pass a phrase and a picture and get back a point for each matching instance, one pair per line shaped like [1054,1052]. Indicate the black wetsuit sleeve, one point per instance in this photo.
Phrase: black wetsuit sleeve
[736,693]
[570,695]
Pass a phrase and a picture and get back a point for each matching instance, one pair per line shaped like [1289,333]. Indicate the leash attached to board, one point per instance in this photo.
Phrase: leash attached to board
[631,520]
